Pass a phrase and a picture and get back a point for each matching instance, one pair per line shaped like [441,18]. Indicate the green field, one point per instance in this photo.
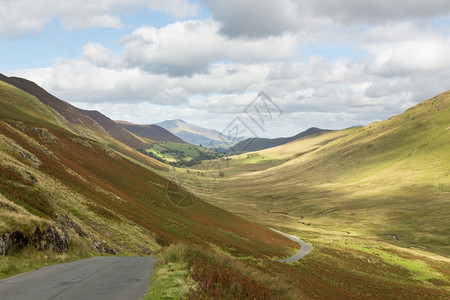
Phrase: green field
[179,155]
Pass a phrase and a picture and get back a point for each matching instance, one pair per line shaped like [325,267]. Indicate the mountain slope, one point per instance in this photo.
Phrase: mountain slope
[255,144]
[115,130]
[67,111]
[152,132]
[57,185]
[193,134]
[74,120]
[387,179]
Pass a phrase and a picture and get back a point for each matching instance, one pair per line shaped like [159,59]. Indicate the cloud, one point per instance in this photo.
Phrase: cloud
[405,49]
[186,48]
[212,68]
[258,18]
[20,17]
[255,18]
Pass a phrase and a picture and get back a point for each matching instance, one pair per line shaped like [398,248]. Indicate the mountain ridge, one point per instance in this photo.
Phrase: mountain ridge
[256,144]
[152,132]
[194,134]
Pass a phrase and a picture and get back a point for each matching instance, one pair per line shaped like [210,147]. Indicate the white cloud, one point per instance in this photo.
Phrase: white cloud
[212,68]
[405,49]
[20,17]
[189,47]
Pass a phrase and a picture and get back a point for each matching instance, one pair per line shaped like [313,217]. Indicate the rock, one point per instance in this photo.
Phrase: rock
[102,249]
[43,134]
[145,250]
[48,239]
[14,241]
[69,224]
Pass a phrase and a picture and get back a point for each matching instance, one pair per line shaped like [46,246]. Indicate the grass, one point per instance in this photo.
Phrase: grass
[207,274]
[171,281]
[348,192]
[98,190]
[30,259]
[345,192]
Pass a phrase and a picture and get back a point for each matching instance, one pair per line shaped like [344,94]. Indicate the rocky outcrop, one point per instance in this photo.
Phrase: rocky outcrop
[10,242]
[99,247]
[50,239]
[42,239]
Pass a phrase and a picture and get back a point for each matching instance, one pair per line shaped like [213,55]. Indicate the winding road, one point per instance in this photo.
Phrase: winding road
[305,247]
[94,278]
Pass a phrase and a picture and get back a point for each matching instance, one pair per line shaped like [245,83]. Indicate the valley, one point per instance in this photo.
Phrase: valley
[372,202]
[375,198]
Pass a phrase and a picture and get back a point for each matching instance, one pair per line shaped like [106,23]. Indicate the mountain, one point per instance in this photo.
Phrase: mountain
[194,134]
[115,130]
[373,201]
[255,144]
[68,186]
[66,110]
[387,178]
[86,123]
[152,132]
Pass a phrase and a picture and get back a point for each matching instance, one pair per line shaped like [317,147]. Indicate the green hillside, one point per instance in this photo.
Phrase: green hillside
[68,191]
[65,193]
[380,194]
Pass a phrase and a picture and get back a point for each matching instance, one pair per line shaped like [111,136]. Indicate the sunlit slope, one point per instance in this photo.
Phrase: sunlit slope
[388,178]
[97,198]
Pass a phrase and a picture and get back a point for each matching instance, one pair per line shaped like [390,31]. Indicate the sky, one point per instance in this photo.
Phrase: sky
[330,64]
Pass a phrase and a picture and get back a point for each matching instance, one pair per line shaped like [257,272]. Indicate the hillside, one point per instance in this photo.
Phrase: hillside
[66,192]
[66,110]
[392,174]
[373,202]
[152,132]
[74,120]
[115,130]
[255,144]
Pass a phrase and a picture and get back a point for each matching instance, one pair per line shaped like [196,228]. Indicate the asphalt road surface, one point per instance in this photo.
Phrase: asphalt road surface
[94,278]
[305,247]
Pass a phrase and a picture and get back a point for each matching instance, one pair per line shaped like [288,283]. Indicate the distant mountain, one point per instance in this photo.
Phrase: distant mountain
[194,134]
[152,132]
[255,144]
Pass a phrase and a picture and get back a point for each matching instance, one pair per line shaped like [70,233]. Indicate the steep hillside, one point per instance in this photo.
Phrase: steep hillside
[388,179]
[72,119]
[255,144]
[115,130]
[67,111]
[152,132]
[62,191]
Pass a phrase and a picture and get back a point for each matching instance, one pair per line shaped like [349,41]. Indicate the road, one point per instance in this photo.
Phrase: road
[94,278]
[305,247]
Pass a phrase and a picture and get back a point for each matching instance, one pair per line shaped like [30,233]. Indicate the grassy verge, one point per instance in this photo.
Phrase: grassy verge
[196,273]
[30,259]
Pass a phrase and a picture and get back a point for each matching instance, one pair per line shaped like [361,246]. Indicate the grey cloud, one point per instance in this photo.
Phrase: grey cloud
[258,18]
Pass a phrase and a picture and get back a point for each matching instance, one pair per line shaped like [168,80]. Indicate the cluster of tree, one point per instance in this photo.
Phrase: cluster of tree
[181,159]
